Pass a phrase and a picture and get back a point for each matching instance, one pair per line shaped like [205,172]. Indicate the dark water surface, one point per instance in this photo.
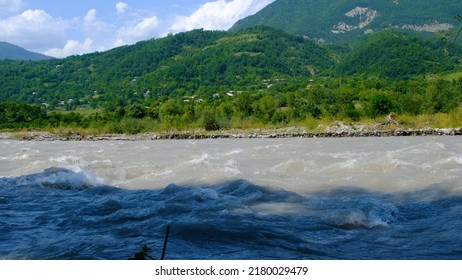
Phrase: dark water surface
[234,220]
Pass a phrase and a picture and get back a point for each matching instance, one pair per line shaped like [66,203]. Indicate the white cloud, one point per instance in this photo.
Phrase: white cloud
[146,29]
[72,47]
[94,34]
[218,15]
[121,7]
[33,29]
[39,31]
[94,28]
[10,6]
[90,17]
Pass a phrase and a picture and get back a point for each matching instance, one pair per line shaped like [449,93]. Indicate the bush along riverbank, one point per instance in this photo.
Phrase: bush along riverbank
[30,122]
[335,130]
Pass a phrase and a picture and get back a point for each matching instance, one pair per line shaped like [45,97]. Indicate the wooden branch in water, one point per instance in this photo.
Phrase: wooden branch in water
[165,242]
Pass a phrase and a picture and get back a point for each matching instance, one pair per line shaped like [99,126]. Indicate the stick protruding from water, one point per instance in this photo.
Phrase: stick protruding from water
[165,242]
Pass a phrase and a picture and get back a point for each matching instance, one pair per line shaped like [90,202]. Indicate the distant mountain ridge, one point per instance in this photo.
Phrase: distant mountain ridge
[13,52]
[342,20]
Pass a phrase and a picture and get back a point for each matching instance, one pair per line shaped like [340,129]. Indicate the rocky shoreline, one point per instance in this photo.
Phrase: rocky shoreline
[329,132]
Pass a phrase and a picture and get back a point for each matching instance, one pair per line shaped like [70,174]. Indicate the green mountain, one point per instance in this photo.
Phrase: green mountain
[243,78]
[342,20]
[10,51]
[206,63]
[399,55]
[190,63]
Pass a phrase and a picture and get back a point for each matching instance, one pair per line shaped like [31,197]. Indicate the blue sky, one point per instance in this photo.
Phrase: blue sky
[61,28]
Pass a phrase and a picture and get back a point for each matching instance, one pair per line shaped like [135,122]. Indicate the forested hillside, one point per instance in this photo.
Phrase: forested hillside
[399,55]
[343,20]
[196,62]
[249,78]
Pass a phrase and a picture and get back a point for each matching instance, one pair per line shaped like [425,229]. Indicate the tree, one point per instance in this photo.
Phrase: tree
[243,104]
[169,110]
[381,105]
[135,111]
[14,113]
[265,107]
[209,121]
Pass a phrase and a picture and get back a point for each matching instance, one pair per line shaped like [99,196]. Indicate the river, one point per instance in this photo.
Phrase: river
[348,198]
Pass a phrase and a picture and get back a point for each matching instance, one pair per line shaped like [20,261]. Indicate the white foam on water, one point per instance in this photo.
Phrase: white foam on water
[231,167]
[233,152]
[60,178]
[300,165]
[68,159]
[456,158]
[106,163]
[25,154]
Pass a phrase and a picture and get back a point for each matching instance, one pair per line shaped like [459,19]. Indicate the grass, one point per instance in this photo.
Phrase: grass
[452,76]
[310,124]
[439,120]
[446,77]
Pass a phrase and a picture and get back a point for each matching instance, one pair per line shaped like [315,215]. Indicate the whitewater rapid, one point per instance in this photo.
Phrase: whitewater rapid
[301,165]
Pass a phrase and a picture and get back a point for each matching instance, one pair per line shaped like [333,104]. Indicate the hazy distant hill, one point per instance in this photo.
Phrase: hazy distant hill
[340,20]
[13,52]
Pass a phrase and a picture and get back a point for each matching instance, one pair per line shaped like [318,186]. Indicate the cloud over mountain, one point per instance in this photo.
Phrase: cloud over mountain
[99,29]
[33,29]
[218,15]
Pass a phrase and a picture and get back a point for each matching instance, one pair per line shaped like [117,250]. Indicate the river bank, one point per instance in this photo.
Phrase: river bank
[337,130]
